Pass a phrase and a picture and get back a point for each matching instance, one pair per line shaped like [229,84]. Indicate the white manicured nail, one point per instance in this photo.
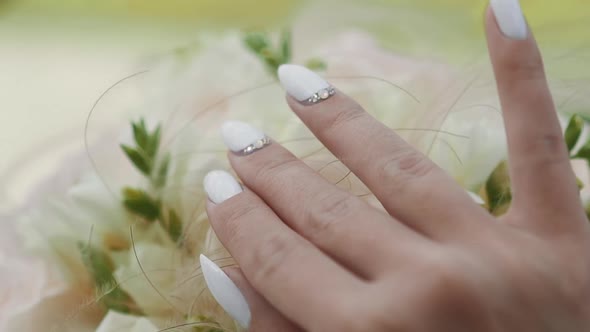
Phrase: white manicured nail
[225,292]
[220,185]
[242,138]
[303,84]
[510,18]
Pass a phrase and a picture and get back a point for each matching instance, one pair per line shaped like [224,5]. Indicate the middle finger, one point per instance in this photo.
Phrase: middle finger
[336,221]
[408,184]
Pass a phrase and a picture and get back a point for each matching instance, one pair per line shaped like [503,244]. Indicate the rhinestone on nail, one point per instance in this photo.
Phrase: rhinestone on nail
[323,94]
[259,144]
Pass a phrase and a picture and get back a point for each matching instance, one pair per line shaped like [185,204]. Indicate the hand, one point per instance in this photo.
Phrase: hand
[316,258]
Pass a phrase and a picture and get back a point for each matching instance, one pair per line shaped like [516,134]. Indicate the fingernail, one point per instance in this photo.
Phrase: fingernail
[220,186]
[510,18]
[242,138]
[225,292]
[304,85]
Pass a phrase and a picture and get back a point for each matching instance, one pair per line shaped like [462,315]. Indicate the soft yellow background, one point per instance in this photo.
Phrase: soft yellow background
[57,56]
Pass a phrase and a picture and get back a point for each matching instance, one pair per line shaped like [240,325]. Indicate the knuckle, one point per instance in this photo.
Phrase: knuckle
[345,116]
[405,168]
[233,217]
[269,256]
[271,173]
[545,150]
[326,210]
[525,69]
[551,145]
[447,282]
[445,288]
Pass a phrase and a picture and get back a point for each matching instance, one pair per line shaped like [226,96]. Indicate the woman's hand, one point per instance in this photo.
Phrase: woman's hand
[316,258]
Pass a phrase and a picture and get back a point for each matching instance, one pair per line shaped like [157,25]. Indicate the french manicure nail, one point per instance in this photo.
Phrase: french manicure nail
[220,186]
[242,138]
[510,18]
[225,292]
[304,85]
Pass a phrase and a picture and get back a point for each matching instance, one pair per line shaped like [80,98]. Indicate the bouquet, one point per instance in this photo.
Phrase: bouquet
[118,240]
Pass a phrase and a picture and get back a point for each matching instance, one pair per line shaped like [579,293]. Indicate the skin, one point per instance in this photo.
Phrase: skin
[313,257]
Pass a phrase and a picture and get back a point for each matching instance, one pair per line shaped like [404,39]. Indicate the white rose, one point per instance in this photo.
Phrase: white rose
[178,95]
[116,322]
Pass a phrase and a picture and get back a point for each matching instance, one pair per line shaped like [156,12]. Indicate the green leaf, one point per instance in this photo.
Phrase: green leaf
[316,64]
[139,202]
[584,152]
[98,263]
[162,174]
[579,183]
[140,133]
[573,131]
[101,268]
[271,60]
[272,56]
[257,41]
[286,41]
[174,227]
[151,148]
[138,159]
[498,189]
[584,116]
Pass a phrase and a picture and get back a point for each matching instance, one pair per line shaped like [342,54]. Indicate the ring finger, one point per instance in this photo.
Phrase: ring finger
[398,175]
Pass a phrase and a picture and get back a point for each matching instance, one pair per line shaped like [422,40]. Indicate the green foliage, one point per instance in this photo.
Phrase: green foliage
[205,319]
[286,41]
[101,268]
[572,136]
[573,131]
[138,159]
[257,41]
[145,158]
[579,183]
[584,152]
[497,187]
[160,177]
[144,154]
[173,225]
[498,190]
[140,133]
[139,202]
[273,56]
[153,143]
[316,64]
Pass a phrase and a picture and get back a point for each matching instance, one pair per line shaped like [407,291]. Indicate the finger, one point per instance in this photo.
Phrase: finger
[236,296]
[541,174]
[332,219]
[264,316]
[281,265]
[410,186]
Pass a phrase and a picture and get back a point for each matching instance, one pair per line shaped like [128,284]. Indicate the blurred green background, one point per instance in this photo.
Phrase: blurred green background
[57,56]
